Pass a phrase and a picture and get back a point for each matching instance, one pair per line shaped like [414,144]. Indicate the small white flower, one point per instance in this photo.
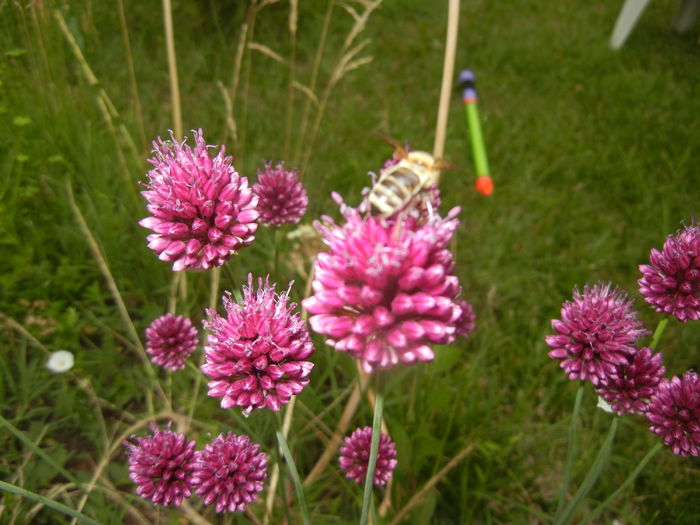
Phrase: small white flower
[604,405]
[60,361]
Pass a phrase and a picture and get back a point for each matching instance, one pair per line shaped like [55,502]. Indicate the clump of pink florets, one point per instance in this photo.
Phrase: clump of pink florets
[354,456]
[170,340]
[257,354]
[161,466]
[385,291]
[229,472]
[629,390]
[203,211]
[674,411]
[671,283]
[281,197]
[596,334]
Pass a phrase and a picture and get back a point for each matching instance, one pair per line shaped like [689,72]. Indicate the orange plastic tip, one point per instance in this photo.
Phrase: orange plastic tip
[484,185]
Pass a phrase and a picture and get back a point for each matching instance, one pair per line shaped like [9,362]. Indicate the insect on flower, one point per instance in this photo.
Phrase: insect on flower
[405,184]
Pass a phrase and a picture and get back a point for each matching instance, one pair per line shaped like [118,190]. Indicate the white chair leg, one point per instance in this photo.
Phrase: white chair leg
[686,16]
[626,20]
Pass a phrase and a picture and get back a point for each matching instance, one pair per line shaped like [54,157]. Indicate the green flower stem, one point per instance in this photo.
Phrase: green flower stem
[295,477]
[658,332]
[373,452]
[60,507]
[39,452]
[570,452]
[643,463]
[591,477]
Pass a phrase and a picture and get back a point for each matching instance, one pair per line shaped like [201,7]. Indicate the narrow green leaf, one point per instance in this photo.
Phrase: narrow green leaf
[591,477]
[295,477]
[373,452]
[60,507]
[569,452]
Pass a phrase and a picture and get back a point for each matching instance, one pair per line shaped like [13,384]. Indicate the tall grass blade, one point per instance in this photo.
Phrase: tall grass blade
[299,489]
[60,507]
[373,452]
[573,431]
[643,463]
[591,477]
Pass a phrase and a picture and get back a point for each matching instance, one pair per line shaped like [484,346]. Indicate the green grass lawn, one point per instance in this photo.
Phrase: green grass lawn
[594,154]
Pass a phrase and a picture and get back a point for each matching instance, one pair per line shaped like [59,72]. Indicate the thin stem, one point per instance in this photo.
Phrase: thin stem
[658,332]
[295,477]
[60,507]
[132,72]
[373,453]
[570,451]
[643,463]
[116,295]
[172,68]
[447,77]
[591,476]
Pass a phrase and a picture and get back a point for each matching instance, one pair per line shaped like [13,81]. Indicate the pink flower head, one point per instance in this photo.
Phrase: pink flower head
[170,340]
[354,456]
[385,291]
[674,410]
[281,197]
[671,283]
[229,472]
[203,211]
[160,465]
[466,324]
[596,334]
[257,355]
[629,391]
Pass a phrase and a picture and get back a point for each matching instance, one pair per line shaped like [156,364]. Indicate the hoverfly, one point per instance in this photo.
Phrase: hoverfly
[405,184]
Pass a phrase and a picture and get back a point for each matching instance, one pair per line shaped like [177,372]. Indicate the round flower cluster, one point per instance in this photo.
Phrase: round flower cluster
[281,197]
[203,211]
[161,466]
[674,410]
[596,334]
[229,471]
[354,456]
[385,291]
[257,354]
[671,283]
[170,340]
[629,390]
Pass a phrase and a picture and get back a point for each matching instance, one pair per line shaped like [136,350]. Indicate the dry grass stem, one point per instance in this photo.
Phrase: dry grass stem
[255,46]
[312,83]
[116,295]
[448,69]
[311,96]
[343,423]
[228,107]
[172,68]
[418,496]
[53,493]
[193,515]
[132,72]
[345,64]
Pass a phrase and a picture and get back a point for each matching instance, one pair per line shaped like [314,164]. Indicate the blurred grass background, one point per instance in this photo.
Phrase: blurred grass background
[594,155]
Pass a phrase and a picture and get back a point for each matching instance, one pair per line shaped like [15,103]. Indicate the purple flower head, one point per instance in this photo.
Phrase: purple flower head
[160,465]
[170,340]
[354,456]
[596,334]
[257,354]
[281,197]
[671,283]
[674,410]
[229,472]
[629,391]
[466,324]
[385,291]
[203,211]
